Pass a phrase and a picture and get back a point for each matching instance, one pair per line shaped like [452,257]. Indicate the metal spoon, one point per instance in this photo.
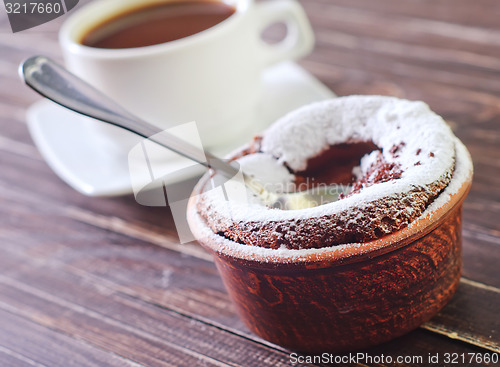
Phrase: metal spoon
[56,83]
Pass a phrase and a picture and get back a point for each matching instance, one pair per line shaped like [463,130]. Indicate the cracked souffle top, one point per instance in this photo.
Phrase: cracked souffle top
[395,155]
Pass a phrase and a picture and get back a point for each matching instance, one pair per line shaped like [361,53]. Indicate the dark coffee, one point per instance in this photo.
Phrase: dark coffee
[157,23]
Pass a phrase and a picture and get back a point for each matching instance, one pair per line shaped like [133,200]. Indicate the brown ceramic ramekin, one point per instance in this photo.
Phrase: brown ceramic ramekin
[350,296]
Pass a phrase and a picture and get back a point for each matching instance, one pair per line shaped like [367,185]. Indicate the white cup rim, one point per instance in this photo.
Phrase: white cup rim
[71,30]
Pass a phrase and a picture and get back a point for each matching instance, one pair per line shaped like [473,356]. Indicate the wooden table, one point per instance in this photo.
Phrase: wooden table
[104,282]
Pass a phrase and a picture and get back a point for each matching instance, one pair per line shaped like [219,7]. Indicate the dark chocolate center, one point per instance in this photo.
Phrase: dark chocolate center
[335,164]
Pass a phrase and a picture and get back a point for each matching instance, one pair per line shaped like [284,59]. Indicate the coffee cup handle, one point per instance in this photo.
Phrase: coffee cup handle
[299,39]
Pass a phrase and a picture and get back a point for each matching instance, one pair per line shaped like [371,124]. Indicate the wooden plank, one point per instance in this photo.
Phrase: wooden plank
[454,11]
[473,308]
[205,301]
[85,309]
[92,255]
[26,342]
[424,344]
[447,60]
[21,148]
[399,69]
[80,323]
[477,253]
[92,300]
[10,358]
[177,302]
[151,223]
[478,258]
[454,103]
[363,21]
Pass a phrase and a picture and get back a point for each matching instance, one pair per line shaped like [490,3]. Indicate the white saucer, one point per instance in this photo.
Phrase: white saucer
[93,168]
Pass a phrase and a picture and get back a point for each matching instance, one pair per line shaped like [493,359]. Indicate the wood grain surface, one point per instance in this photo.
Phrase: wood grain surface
[104,281]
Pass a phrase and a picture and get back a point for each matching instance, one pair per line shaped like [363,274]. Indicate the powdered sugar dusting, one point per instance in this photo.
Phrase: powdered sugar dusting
[223,245]
[306,132]
[266,169]
[462,174]
[386,121]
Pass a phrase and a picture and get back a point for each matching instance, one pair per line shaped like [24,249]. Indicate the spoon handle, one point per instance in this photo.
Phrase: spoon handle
[56,83]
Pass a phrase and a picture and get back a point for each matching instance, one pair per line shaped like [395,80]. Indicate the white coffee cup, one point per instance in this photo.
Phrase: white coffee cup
[212,77]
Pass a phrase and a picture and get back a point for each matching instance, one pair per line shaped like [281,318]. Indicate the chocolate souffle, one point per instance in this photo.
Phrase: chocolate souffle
[395,155]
